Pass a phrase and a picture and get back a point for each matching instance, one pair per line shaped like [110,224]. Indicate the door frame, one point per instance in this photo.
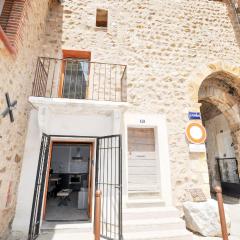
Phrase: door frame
[159,123]
[73,138]
[89,139]
[90,180]
[157,163]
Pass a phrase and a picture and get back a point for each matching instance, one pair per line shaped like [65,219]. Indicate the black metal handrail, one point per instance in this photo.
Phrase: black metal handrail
[80,79]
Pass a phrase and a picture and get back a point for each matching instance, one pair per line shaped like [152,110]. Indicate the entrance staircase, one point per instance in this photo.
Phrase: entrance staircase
[66,231]
[146,218]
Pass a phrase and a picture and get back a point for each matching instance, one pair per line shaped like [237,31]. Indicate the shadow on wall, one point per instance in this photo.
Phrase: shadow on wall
[53,24]
[234,13]
[54,30]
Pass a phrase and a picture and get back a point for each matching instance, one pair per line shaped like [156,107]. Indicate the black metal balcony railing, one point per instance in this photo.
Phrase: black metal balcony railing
[80,79]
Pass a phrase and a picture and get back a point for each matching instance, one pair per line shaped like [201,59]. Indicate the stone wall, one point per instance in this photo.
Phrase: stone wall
[16,76]
[164,43]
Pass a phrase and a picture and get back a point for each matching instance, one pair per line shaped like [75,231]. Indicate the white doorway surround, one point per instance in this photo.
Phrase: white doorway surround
[55,117]
[157,123]
[60,118]
[148,213]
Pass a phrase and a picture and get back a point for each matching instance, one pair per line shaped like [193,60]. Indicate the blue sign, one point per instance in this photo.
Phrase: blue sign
[194,115]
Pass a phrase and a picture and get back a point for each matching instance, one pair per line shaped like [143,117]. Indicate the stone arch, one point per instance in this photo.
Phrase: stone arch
[219,86]
[220,97]
[220,70]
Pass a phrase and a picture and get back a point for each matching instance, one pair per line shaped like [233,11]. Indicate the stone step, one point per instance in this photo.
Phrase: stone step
[144,202]
[150,212]
[143,195]
[159,235]
[143,225]
[63,235]
[49,227]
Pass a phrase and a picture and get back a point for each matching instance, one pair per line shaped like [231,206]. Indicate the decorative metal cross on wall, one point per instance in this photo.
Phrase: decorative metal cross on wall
[9,109]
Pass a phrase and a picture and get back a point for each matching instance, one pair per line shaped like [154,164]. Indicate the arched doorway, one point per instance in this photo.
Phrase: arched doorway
[219,98]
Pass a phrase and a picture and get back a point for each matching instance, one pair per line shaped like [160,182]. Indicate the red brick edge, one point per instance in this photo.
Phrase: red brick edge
[7,42]
[12,36]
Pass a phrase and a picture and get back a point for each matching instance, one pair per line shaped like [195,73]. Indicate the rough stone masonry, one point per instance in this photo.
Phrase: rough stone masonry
[16,76]
[167,46]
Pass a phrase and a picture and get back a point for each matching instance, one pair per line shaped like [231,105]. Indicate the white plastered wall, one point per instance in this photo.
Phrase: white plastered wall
[28,175]
[44,120]
[67,122]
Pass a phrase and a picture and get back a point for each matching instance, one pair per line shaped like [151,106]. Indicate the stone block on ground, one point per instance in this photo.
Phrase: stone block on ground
[203,218]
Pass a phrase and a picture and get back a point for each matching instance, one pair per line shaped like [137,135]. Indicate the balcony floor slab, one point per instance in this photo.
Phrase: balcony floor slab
[78,105]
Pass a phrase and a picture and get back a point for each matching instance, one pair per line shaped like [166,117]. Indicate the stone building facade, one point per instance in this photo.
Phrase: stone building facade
[16,76]
[170,48]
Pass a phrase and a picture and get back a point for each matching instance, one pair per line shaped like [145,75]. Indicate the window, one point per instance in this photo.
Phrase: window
[76,78]
[75,74]
[102,18]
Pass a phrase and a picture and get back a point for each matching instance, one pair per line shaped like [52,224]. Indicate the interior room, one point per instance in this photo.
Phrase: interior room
[68,183]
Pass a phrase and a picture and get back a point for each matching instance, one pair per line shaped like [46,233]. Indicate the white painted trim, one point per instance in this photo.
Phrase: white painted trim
[42,101]
[158,122]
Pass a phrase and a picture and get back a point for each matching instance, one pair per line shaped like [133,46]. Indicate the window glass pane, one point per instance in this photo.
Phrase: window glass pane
[76,79]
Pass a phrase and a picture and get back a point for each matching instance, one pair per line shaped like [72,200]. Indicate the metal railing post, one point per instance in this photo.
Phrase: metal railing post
[218,191]
[97,215]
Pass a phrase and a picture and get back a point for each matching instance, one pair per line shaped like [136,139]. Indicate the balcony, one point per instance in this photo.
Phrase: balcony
[73,78]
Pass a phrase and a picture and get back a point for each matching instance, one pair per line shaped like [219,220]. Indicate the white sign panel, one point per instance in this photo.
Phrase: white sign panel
[197,148]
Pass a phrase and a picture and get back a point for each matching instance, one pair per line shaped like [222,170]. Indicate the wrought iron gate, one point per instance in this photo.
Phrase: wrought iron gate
[229,176]
[228,170]
[109,181]
[39,188]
